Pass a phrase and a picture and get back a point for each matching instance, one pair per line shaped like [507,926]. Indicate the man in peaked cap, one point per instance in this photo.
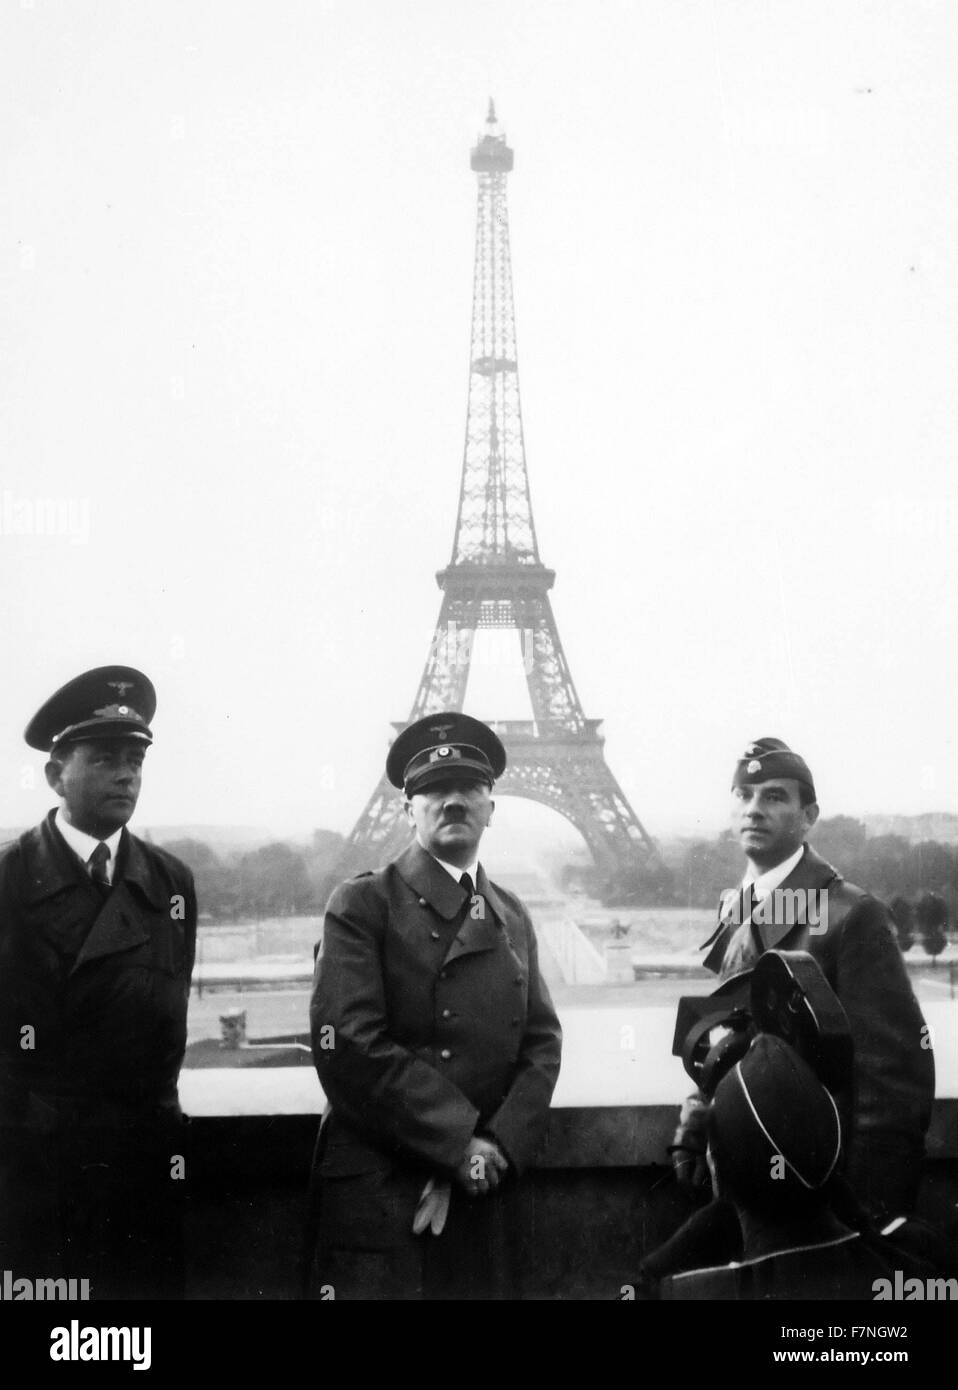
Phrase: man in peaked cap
[435,1040]
[791,899]
[97,938]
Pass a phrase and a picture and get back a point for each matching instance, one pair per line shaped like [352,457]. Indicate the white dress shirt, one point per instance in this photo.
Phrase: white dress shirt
[739,953]
[83,844]
[765,884]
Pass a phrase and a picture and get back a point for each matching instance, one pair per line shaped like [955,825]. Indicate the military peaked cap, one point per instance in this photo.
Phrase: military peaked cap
[108,702]
[443,747]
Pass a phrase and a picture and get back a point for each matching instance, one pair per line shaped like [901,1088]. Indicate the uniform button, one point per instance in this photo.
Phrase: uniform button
[447,1013]
[445,1054]
[442,974]
[422,902]
[434,935]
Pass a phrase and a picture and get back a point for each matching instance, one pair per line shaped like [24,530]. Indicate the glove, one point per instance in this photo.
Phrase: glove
[690,1169]
[687,1149]
[432,1209]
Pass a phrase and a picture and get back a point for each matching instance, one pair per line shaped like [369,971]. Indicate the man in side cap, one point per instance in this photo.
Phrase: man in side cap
[775,1143]
[435,1041]
[791,899]
[97,938]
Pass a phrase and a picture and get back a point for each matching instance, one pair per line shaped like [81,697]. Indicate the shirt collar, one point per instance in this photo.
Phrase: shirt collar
[767,882]
[455,872]
[83,844]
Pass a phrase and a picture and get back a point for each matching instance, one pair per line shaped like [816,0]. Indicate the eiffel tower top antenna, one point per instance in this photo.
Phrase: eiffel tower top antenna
[494,523]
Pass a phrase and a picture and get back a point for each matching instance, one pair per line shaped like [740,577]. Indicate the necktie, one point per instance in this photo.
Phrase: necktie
[748,907]
[98,861]
[466,882]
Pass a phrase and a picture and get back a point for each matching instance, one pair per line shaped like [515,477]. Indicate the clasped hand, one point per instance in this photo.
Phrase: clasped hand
[482,1167]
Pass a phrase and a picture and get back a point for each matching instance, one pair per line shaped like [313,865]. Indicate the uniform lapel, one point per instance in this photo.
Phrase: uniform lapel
[480,930]
[729,915]
[135,868]
[57,891]
[430,880]
[117,928]
[121,923]
[811,873]
[488,892]
[55,876]
[50,864]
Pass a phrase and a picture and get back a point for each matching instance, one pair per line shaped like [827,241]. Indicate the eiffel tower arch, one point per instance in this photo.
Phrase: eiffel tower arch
[496,580]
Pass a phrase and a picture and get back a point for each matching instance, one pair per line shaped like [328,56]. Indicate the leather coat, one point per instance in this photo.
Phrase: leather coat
[103,984]
[894,1076]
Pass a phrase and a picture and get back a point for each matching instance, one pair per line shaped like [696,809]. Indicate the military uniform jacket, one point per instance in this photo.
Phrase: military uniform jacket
[102,983]
[894,1075]
[430,1020]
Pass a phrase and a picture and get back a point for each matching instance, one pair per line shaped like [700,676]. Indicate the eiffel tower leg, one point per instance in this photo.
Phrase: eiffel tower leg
[551,689]
[380,833]
[571,776]
[382,830]
[444,678]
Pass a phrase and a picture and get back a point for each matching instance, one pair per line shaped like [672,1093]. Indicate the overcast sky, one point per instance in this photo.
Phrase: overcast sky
[236,276]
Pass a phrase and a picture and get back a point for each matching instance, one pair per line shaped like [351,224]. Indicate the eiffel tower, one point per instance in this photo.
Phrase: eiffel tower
[495,579]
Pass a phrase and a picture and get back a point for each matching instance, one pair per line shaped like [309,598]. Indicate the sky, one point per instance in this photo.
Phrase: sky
[236,248]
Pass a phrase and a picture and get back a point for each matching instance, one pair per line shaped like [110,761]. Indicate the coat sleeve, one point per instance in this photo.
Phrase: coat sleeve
[190,927]
[894,1066]
[691,1132]
[519,1123]
[15,1064]
[186,886]
[372,1081]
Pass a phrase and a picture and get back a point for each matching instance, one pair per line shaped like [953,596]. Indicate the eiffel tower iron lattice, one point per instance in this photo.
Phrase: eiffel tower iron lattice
[496,579]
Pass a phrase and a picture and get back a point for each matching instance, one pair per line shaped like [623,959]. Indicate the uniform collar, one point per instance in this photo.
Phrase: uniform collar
[471,869]
[51,866]
[83,844]
[808,871]
[432,880]
[773,878]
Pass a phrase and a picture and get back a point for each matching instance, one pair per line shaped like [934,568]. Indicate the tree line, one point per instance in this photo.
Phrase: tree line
[918,882]
[275,880]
